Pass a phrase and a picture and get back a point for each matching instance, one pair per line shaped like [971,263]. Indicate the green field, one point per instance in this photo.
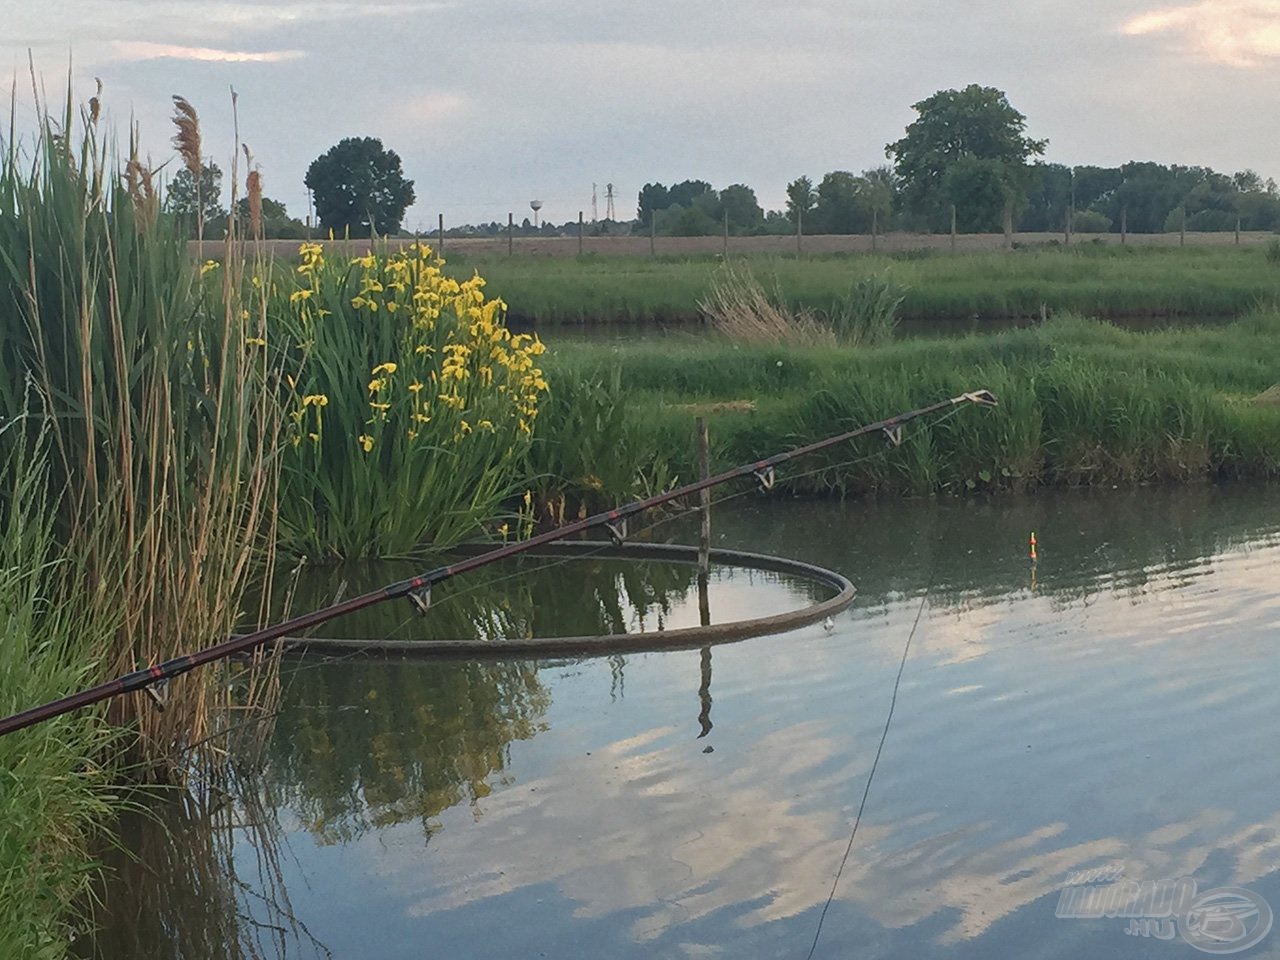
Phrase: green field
[1107,281]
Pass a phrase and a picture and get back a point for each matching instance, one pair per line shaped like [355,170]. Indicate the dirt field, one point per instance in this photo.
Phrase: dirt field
[489,248]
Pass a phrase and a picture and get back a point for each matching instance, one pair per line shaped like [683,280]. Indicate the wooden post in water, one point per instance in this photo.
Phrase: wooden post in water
[953,228]
[704,496]
[1124,225]
[704,576]
[653,233]
[704,513]
[440,248]
[511,233]
[579,233]
[1237,230]
[704,693]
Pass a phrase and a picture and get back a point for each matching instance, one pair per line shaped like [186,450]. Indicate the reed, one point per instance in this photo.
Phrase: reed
[162,422]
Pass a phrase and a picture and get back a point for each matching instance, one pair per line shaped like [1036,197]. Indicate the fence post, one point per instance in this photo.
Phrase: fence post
[726,235]
[1124,225]
[953,228]
[511,232]
[1008,225]
[653,233]
[799,231]
[440,249]
[1069,225]
[1237,230]
[579,233]
[875,230]
[1182,228]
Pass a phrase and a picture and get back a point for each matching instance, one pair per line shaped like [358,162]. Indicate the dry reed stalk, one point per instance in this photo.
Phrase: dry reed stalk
[739,307]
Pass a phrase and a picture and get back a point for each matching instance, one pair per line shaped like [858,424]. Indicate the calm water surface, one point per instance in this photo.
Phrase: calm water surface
[1116,705]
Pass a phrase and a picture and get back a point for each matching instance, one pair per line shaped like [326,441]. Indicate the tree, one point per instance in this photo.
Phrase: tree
[741,208]
[186,202]
[801,199]
[686,192]
[838,209]
[879,189]
[976,122]
[359,187]
[276,222]
[980,191]
[653,197]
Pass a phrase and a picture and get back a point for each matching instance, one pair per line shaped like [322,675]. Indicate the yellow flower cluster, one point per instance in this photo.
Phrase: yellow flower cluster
[455,372]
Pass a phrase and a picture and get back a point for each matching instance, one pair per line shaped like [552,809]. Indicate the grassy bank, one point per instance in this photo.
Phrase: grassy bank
[1093,280]
[1082,402]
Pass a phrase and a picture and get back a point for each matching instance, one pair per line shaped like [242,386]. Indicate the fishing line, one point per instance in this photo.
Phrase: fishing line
[884,735]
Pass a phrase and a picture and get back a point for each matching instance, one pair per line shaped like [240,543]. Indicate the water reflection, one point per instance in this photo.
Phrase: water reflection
[531,596]
[1121,710]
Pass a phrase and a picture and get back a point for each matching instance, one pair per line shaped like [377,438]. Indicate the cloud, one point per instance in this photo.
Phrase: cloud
[1237,33]
[146,50]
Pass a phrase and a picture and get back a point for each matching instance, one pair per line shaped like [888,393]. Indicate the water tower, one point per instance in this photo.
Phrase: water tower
[535,205]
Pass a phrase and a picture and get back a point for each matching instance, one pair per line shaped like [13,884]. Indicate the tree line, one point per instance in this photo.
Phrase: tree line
[967,155]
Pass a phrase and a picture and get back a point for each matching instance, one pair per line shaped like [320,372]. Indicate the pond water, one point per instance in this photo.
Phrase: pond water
[1114,708]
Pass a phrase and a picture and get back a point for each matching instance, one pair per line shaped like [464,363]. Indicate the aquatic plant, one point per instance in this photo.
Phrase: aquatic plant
[161,424]
[413,406]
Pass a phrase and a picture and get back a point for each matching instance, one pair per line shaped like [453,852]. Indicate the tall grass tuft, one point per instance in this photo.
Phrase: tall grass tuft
[162,418]
[738,306]
[868,313]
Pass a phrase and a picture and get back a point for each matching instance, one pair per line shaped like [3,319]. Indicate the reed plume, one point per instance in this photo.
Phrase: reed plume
[253,187]
[95,103]
[187,139]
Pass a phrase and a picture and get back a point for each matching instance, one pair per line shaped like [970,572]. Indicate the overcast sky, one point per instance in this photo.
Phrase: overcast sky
[492,103]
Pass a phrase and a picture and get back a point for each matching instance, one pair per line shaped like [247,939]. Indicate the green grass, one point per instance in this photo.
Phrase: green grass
[53,788]
[1091,280]
[1081,402]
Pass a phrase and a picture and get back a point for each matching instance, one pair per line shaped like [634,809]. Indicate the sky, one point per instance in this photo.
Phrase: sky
[493,103]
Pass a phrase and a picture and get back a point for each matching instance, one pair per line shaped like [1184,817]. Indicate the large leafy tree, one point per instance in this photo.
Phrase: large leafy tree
[976,123]
[187,200]
[359,187]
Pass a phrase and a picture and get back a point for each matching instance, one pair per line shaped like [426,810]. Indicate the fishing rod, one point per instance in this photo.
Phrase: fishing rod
[418,589]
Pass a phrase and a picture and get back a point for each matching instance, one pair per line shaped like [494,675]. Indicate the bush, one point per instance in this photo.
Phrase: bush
[1091,221]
